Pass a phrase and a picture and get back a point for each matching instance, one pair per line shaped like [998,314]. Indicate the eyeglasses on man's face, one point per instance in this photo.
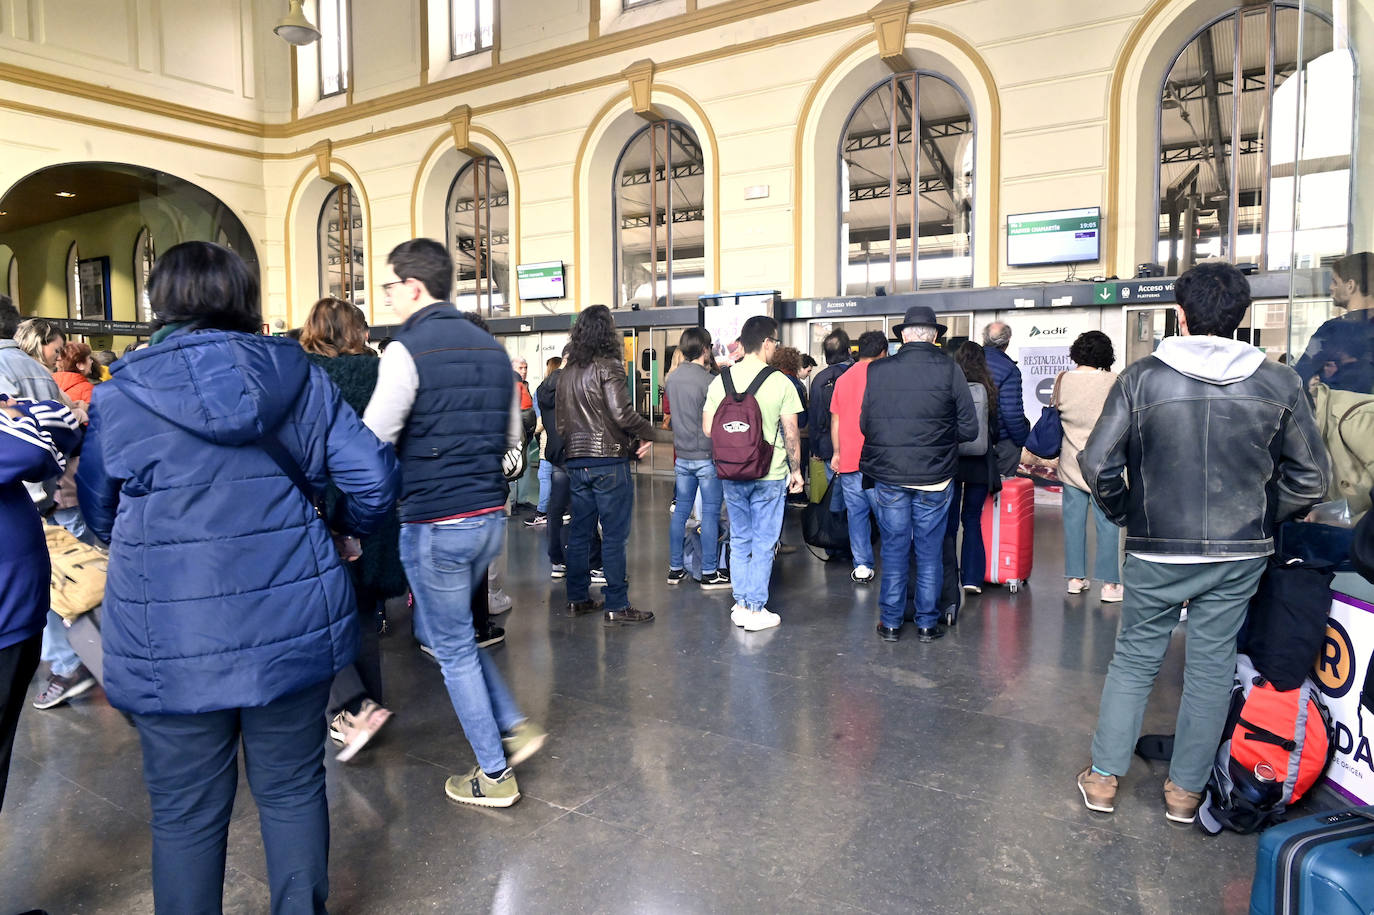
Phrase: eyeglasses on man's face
[386,287]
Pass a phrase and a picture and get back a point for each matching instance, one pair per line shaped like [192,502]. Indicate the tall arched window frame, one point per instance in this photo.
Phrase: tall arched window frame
[145,256]
[73,282]
[1232,165]
[660,217]
[906,162]
[478,218]
[334,53]
[12,278]
[472,26]
[342,254]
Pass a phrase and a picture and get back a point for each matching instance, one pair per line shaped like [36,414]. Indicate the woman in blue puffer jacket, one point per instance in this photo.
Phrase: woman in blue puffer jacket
[227,611]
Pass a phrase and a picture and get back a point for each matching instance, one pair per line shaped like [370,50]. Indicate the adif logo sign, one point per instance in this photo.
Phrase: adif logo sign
[736,427]
[1036,332]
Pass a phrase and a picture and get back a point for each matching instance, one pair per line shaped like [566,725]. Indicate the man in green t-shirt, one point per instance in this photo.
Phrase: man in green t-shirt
[755,506]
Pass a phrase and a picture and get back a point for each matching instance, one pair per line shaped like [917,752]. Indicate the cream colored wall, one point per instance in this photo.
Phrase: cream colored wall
[218,55]
[767,95]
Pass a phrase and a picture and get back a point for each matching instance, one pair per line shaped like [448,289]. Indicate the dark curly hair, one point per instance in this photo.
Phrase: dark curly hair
[594,336]
[787,359]
[1214,296]
[1093,348]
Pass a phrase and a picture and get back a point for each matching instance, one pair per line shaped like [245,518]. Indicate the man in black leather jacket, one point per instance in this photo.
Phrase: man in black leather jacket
[600,431]
[1201,448]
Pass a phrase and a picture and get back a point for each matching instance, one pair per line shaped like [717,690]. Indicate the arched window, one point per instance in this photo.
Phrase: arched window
[11,273]
[145,255]
[660,217]
[478,216]
[341,247]
[1233,152]
[906,171]
[73,282]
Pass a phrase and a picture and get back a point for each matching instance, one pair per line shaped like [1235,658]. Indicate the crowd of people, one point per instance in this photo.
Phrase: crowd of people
[345,479]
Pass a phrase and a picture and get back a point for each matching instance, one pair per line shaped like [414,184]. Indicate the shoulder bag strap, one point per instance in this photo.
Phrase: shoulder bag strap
[729,384]
[759,379]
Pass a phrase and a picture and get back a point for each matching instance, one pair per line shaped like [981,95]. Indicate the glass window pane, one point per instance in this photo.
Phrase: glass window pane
[333,46]
[472,25]
[893,176]
[660,217]
[479,236]
[342,257]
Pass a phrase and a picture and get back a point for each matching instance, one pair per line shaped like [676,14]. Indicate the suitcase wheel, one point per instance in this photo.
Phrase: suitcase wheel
[1014,585]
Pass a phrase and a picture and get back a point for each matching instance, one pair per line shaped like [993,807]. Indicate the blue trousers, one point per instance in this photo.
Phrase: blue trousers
[695,478]
[190,765]
[604,491]
[1078,504]
[912,523]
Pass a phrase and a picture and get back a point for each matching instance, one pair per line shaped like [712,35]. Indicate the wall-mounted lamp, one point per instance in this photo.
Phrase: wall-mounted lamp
[295,28]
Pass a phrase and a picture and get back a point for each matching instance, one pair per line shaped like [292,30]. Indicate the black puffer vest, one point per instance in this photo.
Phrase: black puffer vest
[910,417]
[452,445]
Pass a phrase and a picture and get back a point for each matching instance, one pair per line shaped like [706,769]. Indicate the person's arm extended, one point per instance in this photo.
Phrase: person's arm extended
[1103,458]
[616,391]
[791,435]
[1304,467]
[1013,409]
[835,441]
[392,399]
[515,424]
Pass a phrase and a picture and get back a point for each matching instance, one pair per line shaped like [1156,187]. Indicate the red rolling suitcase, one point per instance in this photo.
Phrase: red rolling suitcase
[1009,533]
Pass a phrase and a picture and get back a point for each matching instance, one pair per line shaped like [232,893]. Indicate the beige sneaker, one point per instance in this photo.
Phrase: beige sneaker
[477,788]
[1112,594]
[523,741]
[1077,585]
[1180,804]
[1099,791]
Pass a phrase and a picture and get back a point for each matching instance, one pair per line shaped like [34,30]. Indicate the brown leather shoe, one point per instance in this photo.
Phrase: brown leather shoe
[1180,804]
[583,607]
[1099,791]
[629,615]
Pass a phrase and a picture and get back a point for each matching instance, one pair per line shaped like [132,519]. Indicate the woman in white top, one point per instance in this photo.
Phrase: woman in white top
[1081,392]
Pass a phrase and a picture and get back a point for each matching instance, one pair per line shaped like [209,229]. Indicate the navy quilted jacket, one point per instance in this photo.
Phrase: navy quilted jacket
[225,589]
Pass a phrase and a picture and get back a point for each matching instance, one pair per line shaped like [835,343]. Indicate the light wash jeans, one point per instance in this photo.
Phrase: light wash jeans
[545,485]
[696,478]
[1077,504]
[859,504]
[912,522]
[441,561]
[755,510]
[1218,594]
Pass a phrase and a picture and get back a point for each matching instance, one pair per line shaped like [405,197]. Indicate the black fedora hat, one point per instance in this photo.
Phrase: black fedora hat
[919,314]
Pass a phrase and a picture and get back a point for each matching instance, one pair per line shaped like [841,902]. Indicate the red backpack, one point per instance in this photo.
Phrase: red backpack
[739,447]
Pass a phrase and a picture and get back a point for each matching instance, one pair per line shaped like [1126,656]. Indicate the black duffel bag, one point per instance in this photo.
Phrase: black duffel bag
[822,527]
[1285,626]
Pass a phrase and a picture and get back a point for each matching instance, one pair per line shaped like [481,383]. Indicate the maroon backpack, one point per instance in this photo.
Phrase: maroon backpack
[739,447]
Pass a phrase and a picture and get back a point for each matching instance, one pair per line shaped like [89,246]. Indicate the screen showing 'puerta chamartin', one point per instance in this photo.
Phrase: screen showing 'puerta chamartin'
[1054,237]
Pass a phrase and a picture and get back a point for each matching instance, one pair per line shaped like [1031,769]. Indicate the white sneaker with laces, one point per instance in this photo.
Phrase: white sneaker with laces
[861,574]
[738,614]
[761,619]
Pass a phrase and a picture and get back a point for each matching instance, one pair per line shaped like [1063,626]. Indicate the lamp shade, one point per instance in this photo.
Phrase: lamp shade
[295,28]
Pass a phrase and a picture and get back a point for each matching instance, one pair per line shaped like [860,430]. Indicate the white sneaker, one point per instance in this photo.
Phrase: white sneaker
[558,570]
[861,574]
[499,602]
[738,614]
[761,619]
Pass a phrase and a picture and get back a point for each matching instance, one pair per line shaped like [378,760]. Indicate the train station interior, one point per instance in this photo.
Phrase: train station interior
[1050,165]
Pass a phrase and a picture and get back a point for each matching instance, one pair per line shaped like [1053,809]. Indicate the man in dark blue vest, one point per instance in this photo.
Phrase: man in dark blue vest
[446,398]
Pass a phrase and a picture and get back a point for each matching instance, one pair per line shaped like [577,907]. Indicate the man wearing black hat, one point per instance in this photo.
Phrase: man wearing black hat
[916,410]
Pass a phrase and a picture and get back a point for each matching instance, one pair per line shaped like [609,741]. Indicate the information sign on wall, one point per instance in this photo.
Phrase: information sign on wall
[1347,683]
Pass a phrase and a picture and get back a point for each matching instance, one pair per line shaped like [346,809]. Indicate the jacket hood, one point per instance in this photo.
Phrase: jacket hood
[1217,360]
[224,387]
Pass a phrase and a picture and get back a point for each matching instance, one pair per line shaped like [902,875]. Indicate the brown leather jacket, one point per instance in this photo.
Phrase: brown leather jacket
[596,418]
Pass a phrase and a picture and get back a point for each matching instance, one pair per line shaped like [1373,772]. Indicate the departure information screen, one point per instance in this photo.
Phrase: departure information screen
[1054,237]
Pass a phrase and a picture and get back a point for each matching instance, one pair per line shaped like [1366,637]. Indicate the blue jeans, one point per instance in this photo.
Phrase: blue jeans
[691,476]
[912,522]
[442,561]
[190,765]
[755,509]
[1075,513]
[966,506]
[545,485]
[606,492]
[859,504]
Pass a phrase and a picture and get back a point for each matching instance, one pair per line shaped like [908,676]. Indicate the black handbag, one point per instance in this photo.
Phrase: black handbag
[822,527]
